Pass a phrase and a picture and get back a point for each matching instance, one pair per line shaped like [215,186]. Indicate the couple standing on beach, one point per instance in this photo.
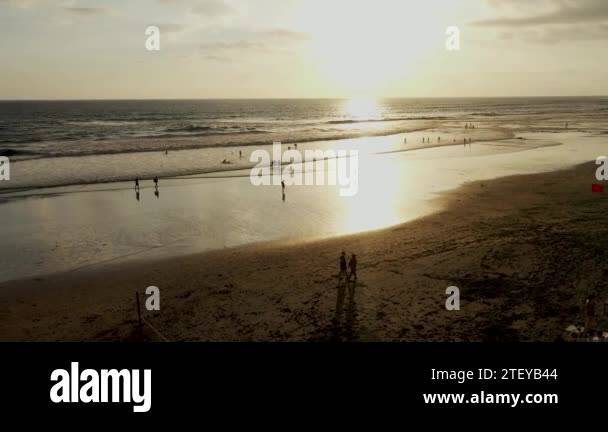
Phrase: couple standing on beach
[352,266]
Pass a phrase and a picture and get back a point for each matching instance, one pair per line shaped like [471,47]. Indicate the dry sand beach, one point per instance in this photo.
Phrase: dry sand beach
[524,250]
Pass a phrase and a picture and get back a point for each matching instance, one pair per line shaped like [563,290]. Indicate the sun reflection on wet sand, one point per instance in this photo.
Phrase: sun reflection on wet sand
[199,214]
[375,206]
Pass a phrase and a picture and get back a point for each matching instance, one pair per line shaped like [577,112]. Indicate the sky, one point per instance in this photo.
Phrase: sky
[94,49]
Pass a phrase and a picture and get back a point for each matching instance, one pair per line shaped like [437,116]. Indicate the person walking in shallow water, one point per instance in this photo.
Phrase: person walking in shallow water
[137,183]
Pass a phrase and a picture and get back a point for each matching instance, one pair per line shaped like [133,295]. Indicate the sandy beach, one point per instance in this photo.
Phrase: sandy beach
[524,267]
[205,204]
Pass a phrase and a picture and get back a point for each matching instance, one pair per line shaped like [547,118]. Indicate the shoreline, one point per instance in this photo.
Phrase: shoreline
[390,141]
[512,265]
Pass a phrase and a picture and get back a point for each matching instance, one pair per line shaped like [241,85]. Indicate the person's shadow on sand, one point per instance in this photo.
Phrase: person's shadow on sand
[344,329]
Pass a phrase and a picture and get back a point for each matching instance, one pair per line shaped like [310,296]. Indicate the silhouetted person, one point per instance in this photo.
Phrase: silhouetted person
[240,154]
[342,265]
[137,195]
[352,265]
[156,182]
[137,183]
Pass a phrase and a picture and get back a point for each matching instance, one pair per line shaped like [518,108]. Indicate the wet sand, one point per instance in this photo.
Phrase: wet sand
[73,227]
[524,251]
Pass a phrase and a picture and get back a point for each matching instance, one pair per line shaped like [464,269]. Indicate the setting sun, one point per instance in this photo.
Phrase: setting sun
[368,48]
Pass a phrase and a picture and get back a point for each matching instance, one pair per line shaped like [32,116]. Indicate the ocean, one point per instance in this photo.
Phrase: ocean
[216,130]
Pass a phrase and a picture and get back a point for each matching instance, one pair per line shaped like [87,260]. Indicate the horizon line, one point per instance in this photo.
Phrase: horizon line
[292,98]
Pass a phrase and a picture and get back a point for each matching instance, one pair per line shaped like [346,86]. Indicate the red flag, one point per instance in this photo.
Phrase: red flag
[597,188]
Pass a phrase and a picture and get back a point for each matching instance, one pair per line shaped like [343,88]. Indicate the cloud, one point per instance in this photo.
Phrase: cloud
[22,4]
[232,46]
[88,11]
[566,34]
[67,6]
[284,34]
[565,12]
[213,9]
[172,27]
[219,59]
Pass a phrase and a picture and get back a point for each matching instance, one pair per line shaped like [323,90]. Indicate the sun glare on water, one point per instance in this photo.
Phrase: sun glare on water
[363,108]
